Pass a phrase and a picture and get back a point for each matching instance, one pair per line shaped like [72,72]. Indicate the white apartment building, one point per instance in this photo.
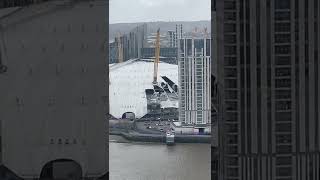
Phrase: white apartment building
[195,83]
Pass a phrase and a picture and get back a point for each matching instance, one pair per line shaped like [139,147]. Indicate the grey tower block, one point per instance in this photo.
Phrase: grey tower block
[268,75]
[54,95]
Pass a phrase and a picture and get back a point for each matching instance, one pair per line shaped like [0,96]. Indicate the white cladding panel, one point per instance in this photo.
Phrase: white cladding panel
[55,88]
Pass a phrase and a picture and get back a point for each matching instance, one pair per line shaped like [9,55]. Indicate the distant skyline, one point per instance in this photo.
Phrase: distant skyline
[132,11]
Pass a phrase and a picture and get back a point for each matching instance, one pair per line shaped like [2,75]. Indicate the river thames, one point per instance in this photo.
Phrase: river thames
[157,161]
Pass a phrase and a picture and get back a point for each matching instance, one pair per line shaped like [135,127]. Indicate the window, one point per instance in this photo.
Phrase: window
[280,16]
[233,172]
[229,27]
[230,50]
[283,149]
[231,116]
[231,16]
[230,83]
[189,47]
[283,127]
[231,94]
[283,72]
[213,5]
[230,72]
[282,60]
[282,27]
[283,160]
[51,101]
[283,116]
[282,38]
[84,100]
[283,171]
[283,83]
[230,39]
[286,49]
[19,101]
[208,47]
[181,46]
[282,4]
[232,128]
[283,105]
[198,44]
[232,149]
[232,161]
[283,138]
[283,94]
[229,5]
[230,61]
[232,106]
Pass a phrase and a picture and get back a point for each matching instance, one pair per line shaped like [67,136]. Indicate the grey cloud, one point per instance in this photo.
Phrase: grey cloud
[158,10]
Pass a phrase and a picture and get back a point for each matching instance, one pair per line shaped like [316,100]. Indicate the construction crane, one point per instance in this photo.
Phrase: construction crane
[120,49]
[157,57]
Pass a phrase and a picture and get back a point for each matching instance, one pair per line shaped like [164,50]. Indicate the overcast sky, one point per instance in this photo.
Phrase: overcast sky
[129,11]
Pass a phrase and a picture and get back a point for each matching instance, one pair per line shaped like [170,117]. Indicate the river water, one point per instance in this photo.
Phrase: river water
[157,161]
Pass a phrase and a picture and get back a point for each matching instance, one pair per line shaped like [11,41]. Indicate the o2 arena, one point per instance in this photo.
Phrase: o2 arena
[131,88]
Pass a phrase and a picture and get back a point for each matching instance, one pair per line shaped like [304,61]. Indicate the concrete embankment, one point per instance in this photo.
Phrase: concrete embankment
[135,136]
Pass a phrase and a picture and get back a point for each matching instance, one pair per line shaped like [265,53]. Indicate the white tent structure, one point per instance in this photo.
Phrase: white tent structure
[128,81]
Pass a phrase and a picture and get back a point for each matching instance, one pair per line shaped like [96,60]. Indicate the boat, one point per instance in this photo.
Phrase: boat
[169,138]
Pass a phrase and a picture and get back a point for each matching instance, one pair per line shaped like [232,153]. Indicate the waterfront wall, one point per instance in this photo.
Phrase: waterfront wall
[134,136]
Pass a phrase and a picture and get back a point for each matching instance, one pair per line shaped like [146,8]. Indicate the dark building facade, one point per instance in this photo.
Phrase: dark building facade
[268,80]
[55,93]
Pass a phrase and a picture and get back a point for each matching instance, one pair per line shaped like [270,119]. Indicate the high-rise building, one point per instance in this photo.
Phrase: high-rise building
[131,45]
[136,40]
[172,36]
[179,32]
[268,77]
[195,81]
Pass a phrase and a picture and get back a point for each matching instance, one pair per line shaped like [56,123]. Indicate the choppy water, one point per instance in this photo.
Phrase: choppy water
[155,161]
